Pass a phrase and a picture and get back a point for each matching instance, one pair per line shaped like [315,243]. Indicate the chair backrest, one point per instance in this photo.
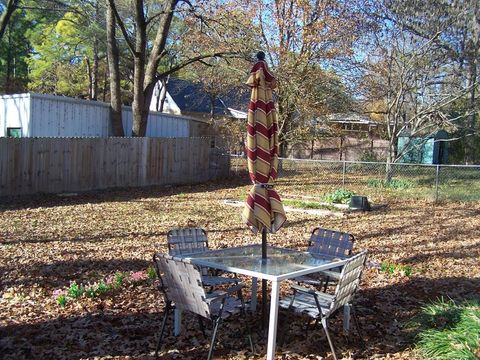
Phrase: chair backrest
[331,243]
[349,280]
[182,284]
[187,241]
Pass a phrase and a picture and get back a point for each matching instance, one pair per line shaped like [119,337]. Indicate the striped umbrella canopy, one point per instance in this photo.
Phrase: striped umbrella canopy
[264,209]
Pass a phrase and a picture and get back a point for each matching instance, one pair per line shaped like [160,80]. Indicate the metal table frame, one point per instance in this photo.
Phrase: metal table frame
[207,259]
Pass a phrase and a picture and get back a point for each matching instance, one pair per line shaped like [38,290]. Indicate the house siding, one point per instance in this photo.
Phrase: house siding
[55,116]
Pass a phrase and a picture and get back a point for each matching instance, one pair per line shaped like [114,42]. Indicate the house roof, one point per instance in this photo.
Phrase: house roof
[351,118]
[191,97]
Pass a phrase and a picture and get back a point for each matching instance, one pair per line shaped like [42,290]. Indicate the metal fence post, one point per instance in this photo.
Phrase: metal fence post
[343,175]
[436,182]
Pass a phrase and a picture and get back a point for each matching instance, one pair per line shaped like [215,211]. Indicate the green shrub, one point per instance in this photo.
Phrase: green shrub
[391,269]
[151,273]
[446,330]
[75,291]
[102,287]
[119,279]
[61,300]
[339,196]
[91,291]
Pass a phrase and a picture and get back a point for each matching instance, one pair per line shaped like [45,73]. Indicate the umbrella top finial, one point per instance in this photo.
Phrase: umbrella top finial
[261,56]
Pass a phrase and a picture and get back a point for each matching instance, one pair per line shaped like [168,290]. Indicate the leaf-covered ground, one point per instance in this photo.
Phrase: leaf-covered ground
[48,241]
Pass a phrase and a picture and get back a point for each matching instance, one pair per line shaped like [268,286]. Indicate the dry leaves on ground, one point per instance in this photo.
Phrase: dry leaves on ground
[48,241]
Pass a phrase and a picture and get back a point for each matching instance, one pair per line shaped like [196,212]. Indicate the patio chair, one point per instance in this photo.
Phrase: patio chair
[329,244]
[194,240]
[181,285]
[319,305]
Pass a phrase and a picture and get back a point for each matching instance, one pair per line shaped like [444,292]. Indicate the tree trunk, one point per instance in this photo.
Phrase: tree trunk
[94,85]
[145,77]
[8,10]
[8,75]
[471,126]
[391,158]
[139,126]
[89,74]
[162,94]
[114,72]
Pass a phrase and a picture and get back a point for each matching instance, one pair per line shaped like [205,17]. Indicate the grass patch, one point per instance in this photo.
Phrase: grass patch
[392,269]
[446,330]
[392,184]
[302,204]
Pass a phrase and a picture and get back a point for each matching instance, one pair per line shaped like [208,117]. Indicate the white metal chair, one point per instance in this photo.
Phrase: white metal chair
[181,284]
[319,305]
[328,244]
[194,240]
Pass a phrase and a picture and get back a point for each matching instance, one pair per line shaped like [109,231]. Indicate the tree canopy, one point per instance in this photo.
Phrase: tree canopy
[400,62]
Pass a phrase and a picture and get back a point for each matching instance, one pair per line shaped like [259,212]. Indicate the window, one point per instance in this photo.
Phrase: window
[14,132]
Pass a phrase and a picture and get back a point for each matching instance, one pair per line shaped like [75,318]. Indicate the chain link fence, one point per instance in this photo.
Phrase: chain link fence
[304,178]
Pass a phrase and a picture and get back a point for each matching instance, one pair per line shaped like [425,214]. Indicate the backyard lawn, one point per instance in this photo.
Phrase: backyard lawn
[104,242]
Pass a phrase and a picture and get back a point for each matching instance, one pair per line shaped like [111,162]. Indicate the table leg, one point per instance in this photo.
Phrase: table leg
[253,300]
[272,327]
[177,322]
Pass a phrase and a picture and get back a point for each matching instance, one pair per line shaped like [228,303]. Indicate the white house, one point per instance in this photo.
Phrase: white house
[38,115]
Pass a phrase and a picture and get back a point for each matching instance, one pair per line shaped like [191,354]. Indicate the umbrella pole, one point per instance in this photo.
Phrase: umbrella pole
[264,282]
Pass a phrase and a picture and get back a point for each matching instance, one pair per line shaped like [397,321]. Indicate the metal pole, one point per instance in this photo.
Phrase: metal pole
[264,243]
[343,173]
[436,182]
[264,282]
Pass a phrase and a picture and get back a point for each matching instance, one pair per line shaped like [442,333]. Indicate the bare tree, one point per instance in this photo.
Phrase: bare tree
[149,53]
[412,77]
[459,41]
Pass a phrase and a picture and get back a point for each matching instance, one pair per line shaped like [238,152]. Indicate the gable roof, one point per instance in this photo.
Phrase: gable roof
[191,97]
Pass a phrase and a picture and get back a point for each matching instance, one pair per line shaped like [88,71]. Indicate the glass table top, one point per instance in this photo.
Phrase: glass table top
[280,263]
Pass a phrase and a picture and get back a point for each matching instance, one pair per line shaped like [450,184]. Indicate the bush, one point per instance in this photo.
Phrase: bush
[339,196]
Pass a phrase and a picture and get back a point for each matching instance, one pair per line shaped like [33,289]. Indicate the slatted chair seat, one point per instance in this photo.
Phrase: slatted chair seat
[181,284]
[303,303]
[328,244]
[319,305]
[191,241]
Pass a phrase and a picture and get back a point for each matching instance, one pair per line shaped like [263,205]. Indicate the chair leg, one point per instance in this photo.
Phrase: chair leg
[324,324]
[214,335]
[164,323]
[202,326]
[357,326]
[249,330]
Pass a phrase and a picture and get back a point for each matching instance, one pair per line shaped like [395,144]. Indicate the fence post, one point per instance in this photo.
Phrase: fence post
[436,182]
[343,173]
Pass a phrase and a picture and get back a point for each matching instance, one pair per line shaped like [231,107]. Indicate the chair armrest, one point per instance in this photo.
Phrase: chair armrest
[303,290]
[221,294]
[331,274]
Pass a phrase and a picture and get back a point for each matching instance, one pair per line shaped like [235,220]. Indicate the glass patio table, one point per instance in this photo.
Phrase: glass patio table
[281,264]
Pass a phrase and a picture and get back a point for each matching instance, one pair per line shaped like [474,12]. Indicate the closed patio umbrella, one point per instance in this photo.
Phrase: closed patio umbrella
[264,210]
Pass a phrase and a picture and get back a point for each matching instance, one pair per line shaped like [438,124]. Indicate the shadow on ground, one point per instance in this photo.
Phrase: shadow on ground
[132,332]
[117,194]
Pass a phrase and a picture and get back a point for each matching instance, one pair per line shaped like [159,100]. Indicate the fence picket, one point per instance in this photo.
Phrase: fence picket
[54,165]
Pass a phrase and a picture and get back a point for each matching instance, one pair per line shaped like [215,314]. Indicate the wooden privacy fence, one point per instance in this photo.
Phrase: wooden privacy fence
[57,165]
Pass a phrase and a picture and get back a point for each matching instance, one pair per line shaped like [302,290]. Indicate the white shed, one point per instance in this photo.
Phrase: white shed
[38,115]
